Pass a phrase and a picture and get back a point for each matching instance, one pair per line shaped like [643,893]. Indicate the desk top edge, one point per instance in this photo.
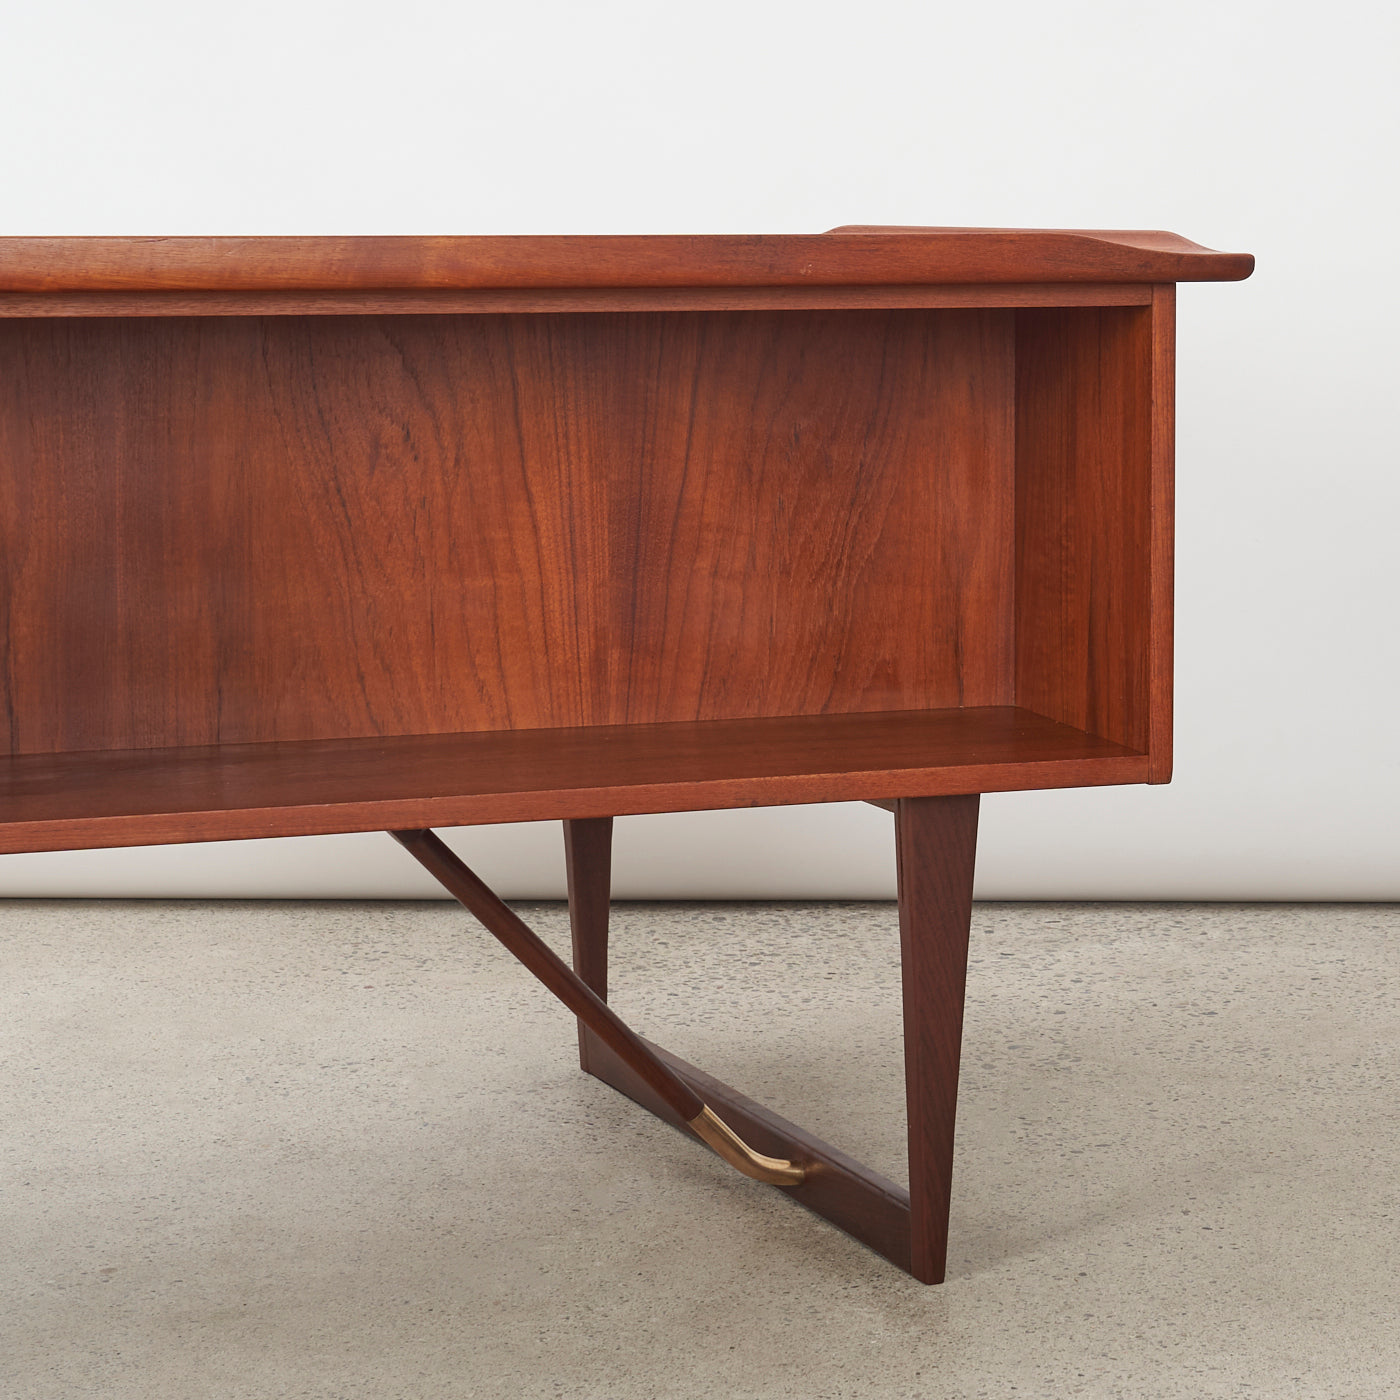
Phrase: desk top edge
[857,255]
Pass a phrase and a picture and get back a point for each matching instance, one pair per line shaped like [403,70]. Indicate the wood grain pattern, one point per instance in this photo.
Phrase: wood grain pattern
[231,531]
[873,572]
[499,300]
[1085,519]
[936,847]
[859,255]
[229,792]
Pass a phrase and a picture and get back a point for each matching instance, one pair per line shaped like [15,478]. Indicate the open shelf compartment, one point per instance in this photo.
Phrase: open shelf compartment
[297,574]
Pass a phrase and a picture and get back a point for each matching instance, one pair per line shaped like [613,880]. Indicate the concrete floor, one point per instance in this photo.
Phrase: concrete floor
[342,1151]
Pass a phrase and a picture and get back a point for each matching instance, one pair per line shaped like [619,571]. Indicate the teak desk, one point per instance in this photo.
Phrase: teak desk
[335,534]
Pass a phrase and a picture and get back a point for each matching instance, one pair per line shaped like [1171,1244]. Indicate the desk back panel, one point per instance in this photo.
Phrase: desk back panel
[238,529]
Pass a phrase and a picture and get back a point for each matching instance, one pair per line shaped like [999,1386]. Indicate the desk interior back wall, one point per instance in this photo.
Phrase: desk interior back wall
[434,524]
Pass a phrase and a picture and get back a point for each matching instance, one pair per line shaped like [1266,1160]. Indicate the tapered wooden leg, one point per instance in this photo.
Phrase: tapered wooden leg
[588,864]
[935,849]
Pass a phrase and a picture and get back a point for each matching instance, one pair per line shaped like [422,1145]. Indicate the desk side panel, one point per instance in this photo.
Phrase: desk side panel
[239,530]
[1163,530]
[1093,518]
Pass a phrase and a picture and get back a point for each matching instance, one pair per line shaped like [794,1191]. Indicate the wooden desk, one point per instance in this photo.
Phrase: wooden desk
[306,535]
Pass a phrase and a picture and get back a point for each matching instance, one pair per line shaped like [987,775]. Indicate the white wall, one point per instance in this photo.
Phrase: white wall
[1259,127]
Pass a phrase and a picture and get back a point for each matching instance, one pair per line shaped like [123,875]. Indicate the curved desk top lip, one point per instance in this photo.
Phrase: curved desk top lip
[853,255]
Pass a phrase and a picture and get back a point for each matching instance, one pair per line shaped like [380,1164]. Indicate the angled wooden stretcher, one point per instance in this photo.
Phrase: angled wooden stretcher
[308,535]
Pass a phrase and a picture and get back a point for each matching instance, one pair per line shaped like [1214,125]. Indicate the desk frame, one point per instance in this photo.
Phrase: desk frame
[303,536]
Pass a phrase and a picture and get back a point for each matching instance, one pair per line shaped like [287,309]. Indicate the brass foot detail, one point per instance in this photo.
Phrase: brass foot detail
[711,1129]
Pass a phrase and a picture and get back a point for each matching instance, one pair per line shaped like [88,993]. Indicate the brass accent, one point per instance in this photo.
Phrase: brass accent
[714,1131]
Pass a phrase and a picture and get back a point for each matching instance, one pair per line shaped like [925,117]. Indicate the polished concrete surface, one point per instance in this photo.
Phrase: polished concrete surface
[342,1150]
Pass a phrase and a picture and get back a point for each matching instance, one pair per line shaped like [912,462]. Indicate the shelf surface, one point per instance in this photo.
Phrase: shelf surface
[854,256]
[153,796]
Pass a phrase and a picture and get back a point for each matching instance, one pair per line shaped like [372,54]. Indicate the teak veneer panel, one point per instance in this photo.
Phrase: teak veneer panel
[62,801]
[244,530]
[1093,520]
